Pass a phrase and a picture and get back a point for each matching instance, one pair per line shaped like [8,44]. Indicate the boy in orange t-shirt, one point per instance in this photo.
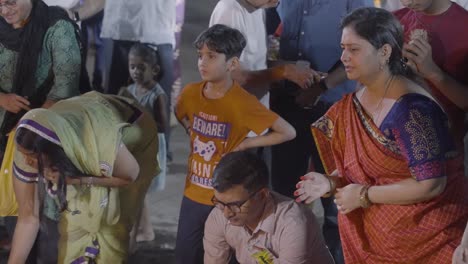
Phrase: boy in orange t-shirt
[218,114]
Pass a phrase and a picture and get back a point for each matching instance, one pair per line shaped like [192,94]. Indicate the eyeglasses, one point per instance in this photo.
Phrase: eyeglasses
[234,207]
[9,4]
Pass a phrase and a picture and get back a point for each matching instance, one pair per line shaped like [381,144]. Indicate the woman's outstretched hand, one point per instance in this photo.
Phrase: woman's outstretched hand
[313,185]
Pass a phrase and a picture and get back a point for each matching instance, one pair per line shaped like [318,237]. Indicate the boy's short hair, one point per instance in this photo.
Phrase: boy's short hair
[222,39]
[146,53]
[240,168]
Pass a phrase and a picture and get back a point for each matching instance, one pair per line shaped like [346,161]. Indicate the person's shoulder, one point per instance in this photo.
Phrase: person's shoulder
[225,11]
[238,92]
[192,88]
[158,90]
[216,219]
[417,101]
[60,29]
[289,211]
[459,12]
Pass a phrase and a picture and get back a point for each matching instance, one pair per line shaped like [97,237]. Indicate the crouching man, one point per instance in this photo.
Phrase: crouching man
[256,225]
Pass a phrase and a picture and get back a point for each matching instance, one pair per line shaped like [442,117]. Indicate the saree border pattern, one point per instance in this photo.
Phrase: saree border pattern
[324,124]
[371,128]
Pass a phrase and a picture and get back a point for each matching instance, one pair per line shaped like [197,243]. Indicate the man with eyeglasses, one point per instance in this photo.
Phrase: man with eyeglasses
[256,225]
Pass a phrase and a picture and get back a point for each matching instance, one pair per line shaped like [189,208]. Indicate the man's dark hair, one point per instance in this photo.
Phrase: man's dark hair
[222,39]
[240,168]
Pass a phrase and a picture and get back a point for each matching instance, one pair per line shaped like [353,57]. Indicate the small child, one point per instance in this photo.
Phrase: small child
[143,67]
[218,114]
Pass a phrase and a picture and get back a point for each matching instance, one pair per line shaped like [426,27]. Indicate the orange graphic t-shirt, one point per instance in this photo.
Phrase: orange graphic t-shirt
[217,126]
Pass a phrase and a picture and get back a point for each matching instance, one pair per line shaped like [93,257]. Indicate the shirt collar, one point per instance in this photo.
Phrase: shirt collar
[267,224]
[250,8]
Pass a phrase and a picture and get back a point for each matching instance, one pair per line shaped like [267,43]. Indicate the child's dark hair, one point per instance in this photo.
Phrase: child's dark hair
[240,168]
[222,39]
[146,53]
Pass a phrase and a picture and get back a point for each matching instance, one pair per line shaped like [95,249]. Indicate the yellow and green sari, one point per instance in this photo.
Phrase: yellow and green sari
[90,128]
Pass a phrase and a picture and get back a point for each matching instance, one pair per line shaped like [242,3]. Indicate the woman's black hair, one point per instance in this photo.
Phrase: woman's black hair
[380,27]
[50,155]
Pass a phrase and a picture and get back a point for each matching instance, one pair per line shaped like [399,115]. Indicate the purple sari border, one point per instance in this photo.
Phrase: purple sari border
[26,177]
[79,260]
[24,173]
[40,130]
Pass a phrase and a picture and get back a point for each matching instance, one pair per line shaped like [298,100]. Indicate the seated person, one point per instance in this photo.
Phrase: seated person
[258,225]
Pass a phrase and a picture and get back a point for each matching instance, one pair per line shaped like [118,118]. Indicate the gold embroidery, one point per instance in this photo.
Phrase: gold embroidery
[325,125]
[422,136]
[387,143]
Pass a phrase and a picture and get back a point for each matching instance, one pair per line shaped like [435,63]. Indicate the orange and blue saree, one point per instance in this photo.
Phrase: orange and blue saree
[412,141]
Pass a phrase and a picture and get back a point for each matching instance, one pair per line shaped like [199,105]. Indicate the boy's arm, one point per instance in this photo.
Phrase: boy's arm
[281,131]
[180,112]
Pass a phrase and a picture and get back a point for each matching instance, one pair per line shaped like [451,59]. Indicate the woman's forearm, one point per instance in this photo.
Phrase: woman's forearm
[23,240]
[408,191]
[100,181]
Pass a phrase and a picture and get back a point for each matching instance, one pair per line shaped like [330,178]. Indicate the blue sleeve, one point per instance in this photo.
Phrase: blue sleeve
[354,4]
[422,133]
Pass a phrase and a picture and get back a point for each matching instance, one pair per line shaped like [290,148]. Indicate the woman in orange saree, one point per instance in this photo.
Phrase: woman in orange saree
[389,155]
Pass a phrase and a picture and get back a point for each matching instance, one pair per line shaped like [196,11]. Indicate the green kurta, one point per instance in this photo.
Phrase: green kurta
[60,52]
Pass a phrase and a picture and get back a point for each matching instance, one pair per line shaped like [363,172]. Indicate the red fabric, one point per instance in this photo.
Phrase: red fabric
[279,30]
[449,41]
[425,232]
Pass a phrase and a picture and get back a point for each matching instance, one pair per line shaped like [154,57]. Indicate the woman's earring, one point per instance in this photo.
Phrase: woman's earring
[382,65]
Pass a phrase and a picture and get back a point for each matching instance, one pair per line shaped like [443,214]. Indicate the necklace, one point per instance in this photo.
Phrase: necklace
[379,105]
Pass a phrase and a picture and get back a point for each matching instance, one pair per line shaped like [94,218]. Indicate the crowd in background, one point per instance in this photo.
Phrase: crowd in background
[359,103]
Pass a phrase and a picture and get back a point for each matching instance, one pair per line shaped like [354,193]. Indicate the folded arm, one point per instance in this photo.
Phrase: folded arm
[281,131]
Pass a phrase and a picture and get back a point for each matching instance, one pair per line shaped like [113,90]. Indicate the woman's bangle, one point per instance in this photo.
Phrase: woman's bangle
[90,182]
[332,187]
[364,200]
